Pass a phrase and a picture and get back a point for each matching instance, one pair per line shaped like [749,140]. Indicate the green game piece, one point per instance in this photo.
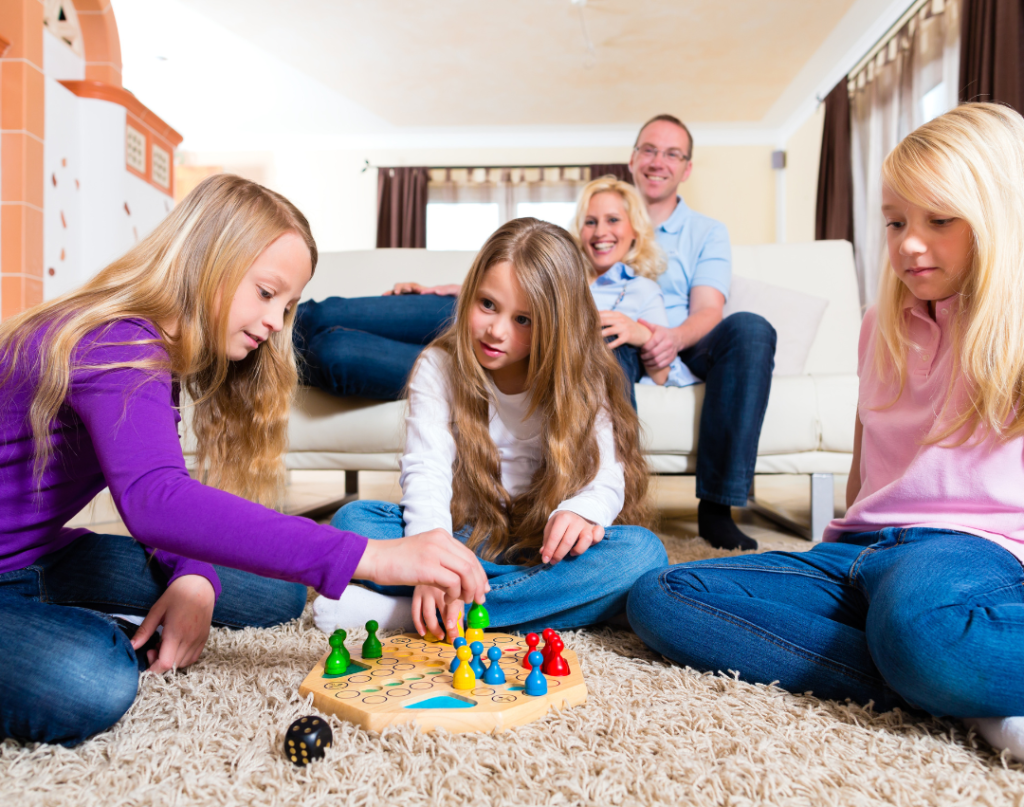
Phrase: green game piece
[371,647]
[478,617]
[339,659]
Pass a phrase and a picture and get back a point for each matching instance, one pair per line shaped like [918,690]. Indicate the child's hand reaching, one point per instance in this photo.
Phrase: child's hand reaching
[431,558]
[426,602]
[185,610]
[567,533]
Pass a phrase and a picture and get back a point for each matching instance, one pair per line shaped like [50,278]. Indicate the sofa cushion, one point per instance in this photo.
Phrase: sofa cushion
[794,315]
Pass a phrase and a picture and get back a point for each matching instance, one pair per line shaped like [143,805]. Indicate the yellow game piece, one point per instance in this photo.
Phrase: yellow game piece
[444,639]
[465,678]
[474,635]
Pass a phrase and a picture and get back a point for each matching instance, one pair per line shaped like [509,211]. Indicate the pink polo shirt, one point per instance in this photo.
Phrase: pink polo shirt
[977,487]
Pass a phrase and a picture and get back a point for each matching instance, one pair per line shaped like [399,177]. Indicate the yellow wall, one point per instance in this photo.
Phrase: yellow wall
[734,184]
[803,154]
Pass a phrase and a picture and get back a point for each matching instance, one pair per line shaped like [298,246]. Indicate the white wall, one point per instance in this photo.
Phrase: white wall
[94,210]
[62,223]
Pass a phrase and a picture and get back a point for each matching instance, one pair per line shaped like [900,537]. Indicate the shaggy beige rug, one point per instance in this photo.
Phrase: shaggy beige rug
[650,733]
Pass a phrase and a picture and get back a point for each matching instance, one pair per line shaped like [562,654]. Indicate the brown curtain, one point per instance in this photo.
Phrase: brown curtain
[617,170]
[834,214]
[402,207]
[991,62]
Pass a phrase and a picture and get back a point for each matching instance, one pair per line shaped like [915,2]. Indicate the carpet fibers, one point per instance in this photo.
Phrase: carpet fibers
[650,733]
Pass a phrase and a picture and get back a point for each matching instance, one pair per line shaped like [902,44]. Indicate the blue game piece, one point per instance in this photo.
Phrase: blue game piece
[476,664]
[455,661]
[536,683]
[494,674]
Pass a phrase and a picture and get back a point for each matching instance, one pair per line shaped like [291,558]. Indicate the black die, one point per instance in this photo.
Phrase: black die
[308,738]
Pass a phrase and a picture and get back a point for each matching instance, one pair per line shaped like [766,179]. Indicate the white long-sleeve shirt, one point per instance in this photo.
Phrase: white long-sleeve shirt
[430,451]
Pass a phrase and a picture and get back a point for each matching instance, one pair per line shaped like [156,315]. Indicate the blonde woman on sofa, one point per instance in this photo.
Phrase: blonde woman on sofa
[615,235]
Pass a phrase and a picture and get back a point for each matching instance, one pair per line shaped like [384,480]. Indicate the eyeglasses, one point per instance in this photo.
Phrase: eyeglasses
[650,153]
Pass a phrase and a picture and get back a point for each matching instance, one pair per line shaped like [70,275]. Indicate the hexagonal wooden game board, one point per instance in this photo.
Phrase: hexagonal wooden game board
[411,683]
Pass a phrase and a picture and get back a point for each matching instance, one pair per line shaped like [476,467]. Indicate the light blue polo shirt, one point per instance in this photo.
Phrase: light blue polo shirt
[619,289]
[698,253]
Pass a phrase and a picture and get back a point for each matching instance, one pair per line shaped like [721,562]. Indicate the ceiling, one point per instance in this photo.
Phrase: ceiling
[489,63]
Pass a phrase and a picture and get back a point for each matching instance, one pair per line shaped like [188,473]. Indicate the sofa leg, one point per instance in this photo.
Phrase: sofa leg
[823,503]
[352,484]
[822,507]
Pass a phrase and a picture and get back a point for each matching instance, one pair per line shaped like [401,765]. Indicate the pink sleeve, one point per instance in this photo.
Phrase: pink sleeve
[865,347]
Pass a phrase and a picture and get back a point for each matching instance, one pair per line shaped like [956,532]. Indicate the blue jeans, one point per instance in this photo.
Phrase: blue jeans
[66,670]
[367,346]
[735,359]
[574,593]
[926,618]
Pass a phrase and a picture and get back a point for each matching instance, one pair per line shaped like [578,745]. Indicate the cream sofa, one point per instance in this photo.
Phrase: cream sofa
[808,427]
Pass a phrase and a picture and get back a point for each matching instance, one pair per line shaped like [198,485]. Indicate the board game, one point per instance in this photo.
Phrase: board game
[411,683]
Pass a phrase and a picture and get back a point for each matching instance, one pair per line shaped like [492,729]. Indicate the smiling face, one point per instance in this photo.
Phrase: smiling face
[500,327]
[606,234]
[930,250]
[657,175]
[269,289]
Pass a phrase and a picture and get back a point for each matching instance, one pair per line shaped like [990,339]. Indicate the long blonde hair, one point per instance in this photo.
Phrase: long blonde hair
[968,163]
[645,256]
[571,377]
[185,272]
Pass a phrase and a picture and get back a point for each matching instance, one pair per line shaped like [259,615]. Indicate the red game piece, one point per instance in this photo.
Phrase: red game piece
[532,640]
[548,634]
[556,665]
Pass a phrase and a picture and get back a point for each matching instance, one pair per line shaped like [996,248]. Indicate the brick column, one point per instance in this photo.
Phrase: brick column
[21,156]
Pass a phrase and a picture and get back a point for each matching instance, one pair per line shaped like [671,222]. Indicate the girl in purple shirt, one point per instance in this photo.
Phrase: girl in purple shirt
[916,597]
[89,387]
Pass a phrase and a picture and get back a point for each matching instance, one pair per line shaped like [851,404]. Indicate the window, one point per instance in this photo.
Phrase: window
[460,225]
[560,213]
[466,205]
[934,102]
[135,150]
[161,167]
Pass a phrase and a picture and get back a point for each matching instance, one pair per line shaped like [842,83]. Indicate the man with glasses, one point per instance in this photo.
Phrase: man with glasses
[734,356]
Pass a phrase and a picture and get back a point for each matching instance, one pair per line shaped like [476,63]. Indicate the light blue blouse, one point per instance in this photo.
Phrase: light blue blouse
[619,289]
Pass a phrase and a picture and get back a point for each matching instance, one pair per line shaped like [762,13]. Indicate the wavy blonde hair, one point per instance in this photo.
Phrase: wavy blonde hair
[968,163]
[645,256]
[185,272]
[572,376]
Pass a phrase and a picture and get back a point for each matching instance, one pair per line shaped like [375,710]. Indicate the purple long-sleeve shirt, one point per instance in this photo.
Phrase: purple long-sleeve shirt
[119,429]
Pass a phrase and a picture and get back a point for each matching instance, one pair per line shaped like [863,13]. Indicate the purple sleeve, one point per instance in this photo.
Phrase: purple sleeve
[129,415]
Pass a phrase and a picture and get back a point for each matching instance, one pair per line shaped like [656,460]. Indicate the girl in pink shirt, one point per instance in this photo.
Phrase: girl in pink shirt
[916,598]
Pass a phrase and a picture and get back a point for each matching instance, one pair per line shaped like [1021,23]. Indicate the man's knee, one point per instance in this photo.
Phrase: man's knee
[749,329]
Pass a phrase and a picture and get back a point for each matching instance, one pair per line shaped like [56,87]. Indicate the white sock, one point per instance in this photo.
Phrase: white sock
[1001,732]
[358,606]
[133,618]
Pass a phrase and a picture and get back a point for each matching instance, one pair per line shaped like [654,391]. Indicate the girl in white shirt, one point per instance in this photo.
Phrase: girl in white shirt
[522,444]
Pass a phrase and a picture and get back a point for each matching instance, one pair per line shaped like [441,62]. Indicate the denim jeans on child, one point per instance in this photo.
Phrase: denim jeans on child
[927,618]
[66,670]
[573,593]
